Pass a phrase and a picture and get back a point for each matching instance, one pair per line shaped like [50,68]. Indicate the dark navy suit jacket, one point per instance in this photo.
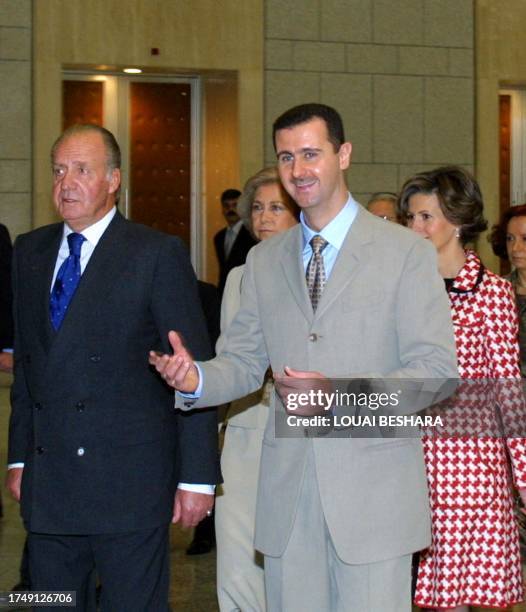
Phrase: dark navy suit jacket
[94,424]
[238,253]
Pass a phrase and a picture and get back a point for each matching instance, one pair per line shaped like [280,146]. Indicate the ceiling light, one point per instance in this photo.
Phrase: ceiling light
[132,70]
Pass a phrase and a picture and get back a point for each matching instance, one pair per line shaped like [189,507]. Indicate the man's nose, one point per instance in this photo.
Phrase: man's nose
[297,168]
[66,180]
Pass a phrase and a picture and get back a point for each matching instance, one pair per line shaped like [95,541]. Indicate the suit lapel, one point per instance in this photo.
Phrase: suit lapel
[348,261]
[41,270]
[292,266]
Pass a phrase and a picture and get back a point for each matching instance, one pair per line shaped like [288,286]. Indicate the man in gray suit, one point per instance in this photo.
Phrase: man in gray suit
[341,295]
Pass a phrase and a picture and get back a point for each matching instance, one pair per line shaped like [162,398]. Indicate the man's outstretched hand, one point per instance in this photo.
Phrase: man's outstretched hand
[178,370]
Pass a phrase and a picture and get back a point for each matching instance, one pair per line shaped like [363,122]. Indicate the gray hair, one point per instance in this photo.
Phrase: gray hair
[380,196]
[267,176]
[113,152]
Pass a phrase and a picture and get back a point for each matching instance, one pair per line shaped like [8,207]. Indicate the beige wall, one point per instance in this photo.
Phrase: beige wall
[193,36]
[15,115]
[501,60]
[401,74]
[221,159]
[403,79]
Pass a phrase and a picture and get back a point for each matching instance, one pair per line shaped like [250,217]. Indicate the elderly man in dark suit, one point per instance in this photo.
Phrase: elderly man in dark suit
[96,450]
[233,242]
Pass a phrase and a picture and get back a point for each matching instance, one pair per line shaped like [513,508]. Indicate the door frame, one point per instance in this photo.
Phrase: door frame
[116,118]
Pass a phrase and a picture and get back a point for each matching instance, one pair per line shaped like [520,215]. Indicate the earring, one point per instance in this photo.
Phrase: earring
[457,233]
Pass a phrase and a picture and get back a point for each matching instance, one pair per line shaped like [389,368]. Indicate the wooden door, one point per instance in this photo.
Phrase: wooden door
[81,103]
[160,156]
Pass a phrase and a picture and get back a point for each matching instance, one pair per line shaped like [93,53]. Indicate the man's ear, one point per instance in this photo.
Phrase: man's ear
[345,155]
[115,180]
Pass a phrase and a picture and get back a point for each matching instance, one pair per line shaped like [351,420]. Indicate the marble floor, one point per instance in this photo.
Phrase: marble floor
[192,578]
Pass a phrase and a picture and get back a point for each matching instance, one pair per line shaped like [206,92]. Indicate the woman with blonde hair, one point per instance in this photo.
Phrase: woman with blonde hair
[268,211]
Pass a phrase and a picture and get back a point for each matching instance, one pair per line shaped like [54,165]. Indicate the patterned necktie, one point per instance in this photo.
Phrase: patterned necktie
[315,274]
[67,280]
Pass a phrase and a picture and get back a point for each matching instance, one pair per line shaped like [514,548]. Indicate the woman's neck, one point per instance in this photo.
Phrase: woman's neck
[521,282]
[451,260]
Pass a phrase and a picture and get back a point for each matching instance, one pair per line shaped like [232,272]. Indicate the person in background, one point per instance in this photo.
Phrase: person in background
[6,302]
[268,210]
[474,555]
[508,240]
[6,315]
[234,241]
[383,204]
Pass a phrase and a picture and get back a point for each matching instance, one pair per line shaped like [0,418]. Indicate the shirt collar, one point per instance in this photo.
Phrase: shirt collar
[236,228]
[94,232]
[336,230]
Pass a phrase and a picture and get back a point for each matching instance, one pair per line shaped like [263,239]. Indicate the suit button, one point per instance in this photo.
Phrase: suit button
[38,406]
[80,451]
[95,358]
[313,337]
[40,450]
[79,406]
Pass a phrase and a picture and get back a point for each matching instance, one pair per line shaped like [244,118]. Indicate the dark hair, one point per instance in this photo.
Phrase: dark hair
[267,176]
[305,112]
[230,194]
[113,152]
[497,237]
[458,194]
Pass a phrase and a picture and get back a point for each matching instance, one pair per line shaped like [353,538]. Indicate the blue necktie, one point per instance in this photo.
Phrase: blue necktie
[67,280]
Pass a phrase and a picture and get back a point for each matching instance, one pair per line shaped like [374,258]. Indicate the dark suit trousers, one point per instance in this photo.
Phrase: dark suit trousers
[133,568]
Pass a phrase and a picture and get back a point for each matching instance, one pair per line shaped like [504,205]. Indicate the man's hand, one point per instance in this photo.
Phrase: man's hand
[303,393]
[13,482]
[179,370]
[6,362]
[190,508]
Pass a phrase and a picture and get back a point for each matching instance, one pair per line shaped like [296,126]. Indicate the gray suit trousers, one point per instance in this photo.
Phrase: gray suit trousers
[310,577]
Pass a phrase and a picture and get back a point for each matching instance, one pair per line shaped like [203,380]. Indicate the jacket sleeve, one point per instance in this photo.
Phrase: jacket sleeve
[20,422]
[175,305]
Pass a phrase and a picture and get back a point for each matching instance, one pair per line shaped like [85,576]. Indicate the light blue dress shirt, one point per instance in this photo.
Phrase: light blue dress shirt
[334,233]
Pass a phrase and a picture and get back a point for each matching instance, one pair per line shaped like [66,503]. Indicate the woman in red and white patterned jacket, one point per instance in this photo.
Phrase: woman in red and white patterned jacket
[474,556]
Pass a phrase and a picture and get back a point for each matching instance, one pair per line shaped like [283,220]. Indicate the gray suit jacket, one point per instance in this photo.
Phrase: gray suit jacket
[383,313]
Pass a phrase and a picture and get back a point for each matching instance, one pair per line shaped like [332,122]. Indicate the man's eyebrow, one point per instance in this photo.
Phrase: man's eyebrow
[302,150]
